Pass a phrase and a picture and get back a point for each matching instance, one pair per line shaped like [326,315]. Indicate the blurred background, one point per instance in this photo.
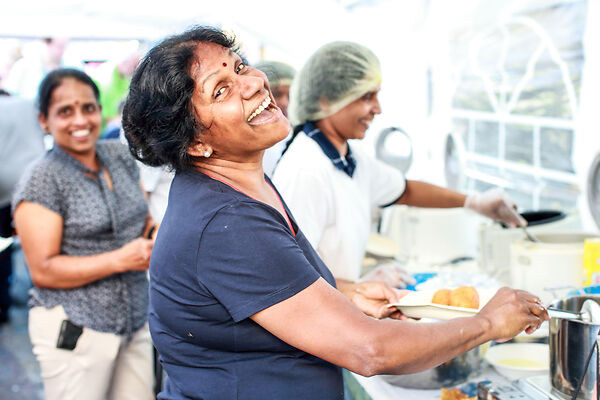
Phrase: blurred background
[475,93]
[488,92]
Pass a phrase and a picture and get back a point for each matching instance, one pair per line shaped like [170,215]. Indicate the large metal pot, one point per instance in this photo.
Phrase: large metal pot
[571,342]
[453,372]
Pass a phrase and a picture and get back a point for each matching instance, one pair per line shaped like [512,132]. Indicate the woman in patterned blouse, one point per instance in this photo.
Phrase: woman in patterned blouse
[84,225]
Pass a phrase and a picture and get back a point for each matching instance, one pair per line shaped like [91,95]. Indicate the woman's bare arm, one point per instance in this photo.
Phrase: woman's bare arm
[423,194]
[41,230]
[322,322]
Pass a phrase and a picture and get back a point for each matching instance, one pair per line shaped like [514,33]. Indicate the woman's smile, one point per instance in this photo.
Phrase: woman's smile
[82,135]
[265,113]
[74,118]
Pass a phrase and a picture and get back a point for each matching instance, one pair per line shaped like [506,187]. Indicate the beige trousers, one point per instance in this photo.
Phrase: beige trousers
[102,366]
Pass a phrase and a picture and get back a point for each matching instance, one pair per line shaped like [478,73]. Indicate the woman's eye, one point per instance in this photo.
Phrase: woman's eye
[240,67]
[219,92]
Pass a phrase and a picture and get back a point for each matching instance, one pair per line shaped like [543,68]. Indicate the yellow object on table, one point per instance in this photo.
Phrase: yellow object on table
[454,394]
[591,261]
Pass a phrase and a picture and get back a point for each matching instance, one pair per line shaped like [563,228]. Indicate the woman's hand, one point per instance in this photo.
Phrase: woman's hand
[512,311]
[150,228]
[41,231]
[134,256]
[391,274]
[373,298]
[497,205]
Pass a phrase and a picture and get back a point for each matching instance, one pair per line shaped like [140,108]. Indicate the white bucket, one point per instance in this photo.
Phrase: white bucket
[550,267]
[494,243]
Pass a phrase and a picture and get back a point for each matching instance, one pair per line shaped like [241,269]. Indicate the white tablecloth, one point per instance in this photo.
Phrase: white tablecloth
[379,389]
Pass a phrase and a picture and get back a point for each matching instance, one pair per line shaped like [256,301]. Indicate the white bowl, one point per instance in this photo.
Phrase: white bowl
[519,360]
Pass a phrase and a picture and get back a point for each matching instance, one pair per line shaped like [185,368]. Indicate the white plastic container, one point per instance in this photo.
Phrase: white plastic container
[494,240]
[550,267]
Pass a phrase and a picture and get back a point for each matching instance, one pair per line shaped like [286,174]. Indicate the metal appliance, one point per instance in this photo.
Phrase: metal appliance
[531,388]
[556,261]
[494,240]
[394,147]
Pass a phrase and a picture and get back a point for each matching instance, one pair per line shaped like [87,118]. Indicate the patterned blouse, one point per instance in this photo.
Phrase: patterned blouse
[96,219]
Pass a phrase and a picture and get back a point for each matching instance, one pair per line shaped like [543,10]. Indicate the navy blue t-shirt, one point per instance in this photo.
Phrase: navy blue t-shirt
[219,258]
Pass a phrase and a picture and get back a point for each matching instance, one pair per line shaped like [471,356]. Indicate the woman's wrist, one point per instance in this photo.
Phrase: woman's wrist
[114,260]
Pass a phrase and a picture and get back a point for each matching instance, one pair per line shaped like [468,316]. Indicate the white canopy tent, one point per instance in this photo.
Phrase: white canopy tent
[434,54]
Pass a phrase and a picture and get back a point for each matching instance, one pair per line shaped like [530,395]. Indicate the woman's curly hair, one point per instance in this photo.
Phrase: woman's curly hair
[159,117]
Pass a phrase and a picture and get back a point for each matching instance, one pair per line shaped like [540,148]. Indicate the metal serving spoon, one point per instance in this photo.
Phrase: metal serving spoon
[529,235]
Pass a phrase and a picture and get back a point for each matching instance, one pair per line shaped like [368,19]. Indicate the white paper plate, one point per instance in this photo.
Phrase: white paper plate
[382,246]
[418,305]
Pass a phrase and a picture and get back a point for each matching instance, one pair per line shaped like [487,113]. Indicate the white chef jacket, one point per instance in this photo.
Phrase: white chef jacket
[332,209]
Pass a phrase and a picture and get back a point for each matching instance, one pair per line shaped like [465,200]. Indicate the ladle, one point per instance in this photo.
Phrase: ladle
[577,315]
[590,312]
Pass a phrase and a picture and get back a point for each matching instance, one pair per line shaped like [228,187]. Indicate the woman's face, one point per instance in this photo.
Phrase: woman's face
[281,93]
[73,117]
[352,121]
[235,104]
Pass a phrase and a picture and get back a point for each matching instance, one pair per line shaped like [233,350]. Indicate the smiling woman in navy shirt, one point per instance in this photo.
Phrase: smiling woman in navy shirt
[241,306]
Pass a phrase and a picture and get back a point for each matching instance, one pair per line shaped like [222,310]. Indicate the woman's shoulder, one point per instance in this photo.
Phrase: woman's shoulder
[300,144]
[113,151]
[214,199]
[40,182]
[303,156]
[113,148]
[42,168]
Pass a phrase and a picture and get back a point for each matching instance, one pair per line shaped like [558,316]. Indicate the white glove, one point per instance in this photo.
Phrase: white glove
[391,274]
[497,205]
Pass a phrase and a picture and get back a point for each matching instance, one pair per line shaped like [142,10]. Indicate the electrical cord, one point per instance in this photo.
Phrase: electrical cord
[587,365]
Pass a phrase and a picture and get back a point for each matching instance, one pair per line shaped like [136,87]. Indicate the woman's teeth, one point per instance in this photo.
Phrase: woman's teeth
[260,108]
[80,133]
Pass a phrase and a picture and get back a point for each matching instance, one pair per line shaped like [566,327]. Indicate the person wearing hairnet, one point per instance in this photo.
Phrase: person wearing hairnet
[280,76]
[331,186]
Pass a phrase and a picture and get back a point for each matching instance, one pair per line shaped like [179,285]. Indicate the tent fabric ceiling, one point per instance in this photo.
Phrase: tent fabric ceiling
[149,20]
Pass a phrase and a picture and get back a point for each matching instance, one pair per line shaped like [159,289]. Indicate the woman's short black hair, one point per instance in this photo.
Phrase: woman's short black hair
[53,80]
[159,118]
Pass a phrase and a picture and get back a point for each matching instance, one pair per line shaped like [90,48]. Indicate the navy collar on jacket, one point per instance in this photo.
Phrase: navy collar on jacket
[346,164]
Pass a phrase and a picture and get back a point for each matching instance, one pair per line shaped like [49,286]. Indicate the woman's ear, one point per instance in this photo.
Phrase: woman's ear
[199,149]
[324,104]
[43,122]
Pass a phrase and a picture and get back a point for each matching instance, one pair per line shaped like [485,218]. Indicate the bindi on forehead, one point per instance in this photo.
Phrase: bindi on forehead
[224,64]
